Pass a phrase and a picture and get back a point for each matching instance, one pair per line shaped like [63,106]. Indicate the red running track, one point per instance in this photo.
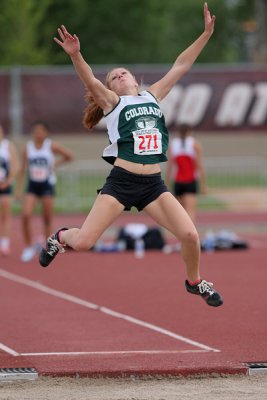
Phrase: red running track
[113,315]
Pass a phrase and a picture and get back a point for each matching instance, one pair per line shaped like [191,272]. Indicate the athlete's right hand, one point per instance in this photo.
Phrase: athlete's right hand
[69,43]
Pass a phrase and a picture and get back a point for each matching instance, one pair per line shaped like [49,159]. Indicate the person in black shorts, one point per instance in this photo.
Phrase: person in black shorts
[40,157]
[138,143]
[8,171]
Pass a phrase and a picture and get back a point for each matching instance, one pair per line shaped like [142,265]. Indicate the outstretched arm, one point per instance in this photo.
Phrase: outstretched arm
[185,60]
[104,97]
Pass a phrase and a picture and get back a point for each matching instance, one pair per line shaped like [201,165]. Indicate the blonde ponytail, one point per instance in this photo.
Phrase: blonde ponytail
[92,113]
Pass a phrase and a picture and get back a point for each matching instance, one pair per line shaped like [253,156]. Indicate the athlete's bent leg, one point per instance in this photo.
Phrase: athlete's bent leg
[104,211]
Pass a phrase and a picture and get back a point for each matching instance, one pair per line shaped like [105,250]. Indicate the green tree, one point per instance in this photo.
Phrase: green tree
[185,22]
[143,31]
[113,31]
[19,26]
[120,31]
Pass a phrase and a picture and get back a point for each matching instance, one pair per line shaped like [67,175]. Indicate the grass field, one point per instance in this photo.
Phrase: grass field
[76,192]
[79,192]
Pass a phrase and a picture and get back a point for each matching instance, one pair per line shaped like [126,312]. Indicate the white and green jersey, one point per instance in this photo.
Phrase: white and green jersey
[137,131]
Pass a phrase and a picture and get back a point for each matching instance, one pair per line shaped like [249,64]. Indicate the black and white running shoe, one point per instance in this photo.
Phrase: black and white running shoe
[206,291]
[53,247]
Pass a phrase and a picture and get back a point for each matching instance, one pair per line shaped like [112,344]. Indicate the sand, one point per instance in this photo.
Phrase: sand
[209,388]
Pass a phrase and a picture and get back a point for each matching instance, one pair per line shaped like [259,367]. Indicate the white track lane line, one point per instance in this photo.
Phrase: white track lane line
[104,310]
[93,353]
[8,350]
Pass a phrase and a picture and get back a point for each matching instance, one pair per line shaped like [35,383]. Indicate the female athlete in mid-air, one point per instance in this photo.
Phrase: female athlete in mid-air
[138,144]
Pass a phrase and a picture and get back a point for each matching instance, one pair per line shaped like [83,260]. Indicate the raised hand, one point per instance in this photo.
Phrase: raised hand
[69,43]
[209,20]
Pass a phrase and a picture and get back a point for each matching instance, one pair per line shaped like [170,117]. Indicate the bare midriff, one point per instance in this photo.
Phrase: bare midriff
[145,169]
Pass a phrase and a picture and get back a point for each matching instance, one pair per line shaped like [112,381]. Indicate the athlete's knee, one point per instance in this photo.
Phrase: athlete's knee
[26,216]
[83,243]
[190,237]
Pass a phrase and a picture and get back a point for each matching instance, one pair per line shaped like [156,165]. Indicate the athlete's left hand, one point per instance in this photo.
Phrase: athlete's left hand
[69,43]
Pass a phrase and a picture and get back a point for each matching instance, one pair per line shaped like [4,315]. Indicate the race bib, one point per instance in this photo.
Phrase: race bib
[38,173]
[147,141]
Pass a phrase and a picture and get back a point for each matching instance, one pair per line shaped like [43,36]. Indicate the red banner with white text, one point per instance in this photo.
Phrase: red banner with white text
[209,98]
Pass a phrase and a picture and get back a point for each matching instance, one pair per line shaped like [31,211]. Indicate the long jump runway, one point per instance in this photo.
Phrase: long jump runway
[114,315]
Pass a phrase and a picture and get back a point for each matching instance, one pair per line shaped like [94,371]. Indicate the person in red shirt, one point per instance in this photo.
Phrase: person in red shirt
[186,169]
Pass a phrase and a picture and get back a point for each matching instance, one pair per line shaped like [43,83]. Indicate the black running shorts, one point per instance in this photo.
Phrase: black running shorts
[6,191]
[133,190]
[181,188]
[41,189]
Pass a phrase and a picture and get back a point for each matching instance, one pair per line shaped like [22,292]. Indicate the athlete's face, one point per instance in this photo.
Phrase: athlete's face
[39,133]
[122,82]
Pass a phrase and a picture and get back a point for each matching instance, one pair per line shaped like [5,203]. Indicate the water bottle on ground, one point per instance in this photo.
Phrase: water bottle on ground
[114,247]
[209,242]
[139,248]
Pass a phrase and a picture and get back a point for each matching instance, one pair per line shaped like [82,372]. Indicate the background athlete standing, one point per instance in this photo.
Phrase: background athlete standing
[185,172]
[40,158]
